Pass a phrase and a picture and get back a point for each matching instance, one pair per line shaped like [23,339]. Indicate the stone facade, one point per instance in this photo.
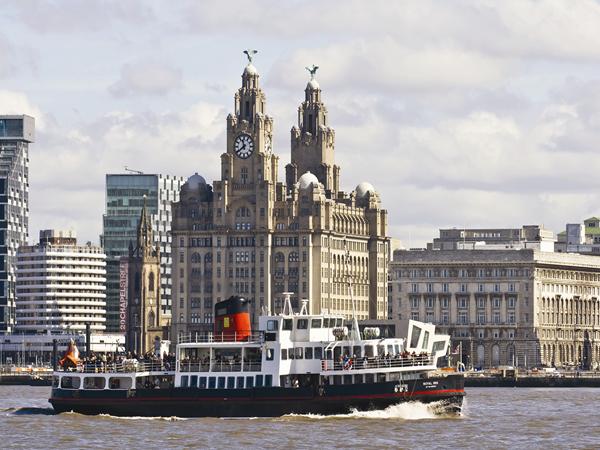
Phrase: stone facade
[504,307]
[249,234]
[146,321]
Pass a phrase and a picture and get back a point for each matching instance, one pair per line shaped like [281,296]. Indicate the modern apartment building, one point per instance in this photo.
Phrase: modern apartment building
[60,285]
[124,201]
[16,133]
[504,307]
[249,234]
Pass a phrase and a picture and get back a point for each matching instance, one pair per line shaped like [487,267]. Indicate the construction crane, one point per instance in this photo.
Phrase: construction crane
[139,172]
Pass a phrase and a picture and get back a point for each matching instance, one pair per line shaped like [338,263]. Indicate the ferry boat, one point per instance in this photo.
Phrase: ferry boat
[295,363]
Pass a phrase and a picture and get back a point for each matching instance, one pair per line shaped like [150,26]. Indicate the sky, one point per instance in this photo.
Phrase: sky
[460,113]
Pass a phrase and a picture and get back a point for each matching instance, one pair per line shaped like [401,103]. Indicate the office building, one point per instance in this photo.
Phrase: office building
[124,200]
[504,307]
[61,286]
[528,236]
[580,237]
[16,133]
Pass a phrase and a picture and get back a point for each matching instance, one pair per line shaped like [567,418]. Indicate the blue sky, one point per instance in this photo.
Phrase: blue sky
[477,114]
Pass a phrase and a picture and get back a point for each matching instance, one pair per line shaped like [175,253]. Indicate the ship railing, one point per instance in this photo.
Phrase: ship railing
[125,366]
[221,366]
[188,338]
[376,363]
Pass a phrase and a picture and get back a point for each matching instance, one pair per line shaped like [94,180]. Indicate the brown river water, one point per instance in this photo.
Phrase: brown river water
[492,418]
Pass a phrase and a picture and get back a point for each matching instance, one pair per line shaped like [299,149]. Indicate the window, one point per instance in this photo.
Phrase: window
[249,382]
[184,381]
[270,354]
[462,318]
[240,383]
[299,352]
[481,302]
[415,302]
[259,380]
[308,353]
[202,382]
[283,354]
[268,380]
[496,302]
[414,315]
[511,302]
[430,301]
[318,352]
[271,325]
[496,317]
[212,383]
[445,287]
[288,324]
[221,382]
[445,303]
[230,382]
[302,324]
[481,318]
[315,323]
[445,317]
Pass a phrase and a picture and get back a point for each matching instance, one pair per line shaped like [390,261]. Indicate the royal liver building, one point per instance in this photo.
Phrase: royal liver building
[251,235]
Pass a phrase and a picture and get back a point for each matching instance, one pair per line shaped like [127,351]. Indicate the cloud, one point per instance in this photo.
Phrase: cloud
[68,16]
[17,103]
[146,78]
[6,57]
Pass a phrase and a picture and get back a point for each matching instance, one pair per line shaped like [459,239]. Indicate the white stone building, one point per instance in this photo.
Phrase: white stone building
[60,285]
[504,307]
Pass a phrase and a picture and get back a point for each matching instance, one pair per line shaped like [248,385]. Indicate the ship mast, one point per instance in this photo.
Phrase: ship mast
[355,332]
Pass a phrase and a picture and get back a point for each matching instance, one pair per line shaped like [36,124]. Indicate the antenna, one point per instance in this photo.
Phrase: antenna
[139,172]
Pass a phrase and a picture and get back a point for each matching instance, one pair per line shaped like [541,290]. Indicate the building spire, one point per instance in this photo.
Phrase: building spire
[144,234]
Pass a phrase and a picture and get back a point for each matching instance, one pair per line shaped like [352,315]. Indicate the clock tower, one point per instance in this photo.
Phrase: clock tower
[313,141]
[249,160]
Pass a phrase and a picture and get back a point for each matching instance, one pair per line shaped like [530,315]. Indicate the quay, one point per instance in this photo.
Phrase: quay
[513,378]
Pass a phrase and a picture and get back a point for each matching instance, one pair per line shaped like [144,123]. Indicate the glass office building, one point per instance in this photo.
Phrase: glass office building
[124,200]
[16,133]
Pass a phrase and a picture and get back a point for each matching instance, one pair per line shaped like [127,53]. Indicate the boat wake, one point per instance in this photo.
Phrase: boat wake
[166,419]
[24,411]
[403,411]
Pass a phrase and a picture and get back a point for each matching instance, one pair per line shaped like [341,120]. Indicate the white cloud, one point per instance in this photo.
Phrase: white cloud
[12,102]
[146,78]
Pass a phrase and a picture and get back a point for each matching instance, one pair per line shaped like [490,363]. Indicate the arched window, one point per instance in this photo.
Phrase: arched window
[196,258]
[151,282]
[208,258]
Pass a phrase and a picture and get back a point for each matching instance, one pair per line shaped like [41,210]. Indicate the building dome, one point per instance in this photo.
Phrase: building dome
[195,181]
[250,70]
[307,180]
[313,85]
[363,188]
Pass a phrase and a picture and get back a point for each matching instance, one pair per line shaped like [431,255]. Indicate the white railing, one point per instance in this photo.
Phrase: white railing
[189,338]
[125,366]
[376,363]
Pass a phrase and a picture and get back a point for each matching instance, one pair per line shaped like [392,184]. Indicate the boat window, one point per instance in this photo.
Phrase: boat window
[202,382]
[94,383]
[184,381]
[194,381]
[55,381]
[318,352]
[308,353]
[337,352]
[358,379]
[347,379]
[394,376]
[283,354]
[288,324]
[369,351]
[425,340]
[299,352]
[315,323]
[414,337]
[369,378]
[390,349]
[71,382]
[212,383]
[291,353]
[326,322]
[259,380]
[381,377]
[339,322]
[356,351]
[268,380]
[249,382]
[230,382]
[347,350]
[221,383]
[438,345]
[380,350]
[240,383]
[302,324]
[397,348]
[270,354]
[337,379]
[271,325]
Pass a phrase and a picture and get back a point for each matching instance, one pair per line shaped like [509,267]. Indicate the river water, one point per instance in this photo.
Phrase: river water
[492,418]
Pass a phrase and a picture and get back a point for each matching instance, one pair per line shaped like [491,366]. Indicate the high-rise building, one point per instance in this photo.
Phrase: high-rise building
[124,200]
[60,285]
[251,235]
[16,133]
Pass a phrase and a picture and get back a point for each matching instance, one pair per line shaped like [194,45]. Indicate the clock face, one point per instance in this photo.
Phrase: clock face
[244,146]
